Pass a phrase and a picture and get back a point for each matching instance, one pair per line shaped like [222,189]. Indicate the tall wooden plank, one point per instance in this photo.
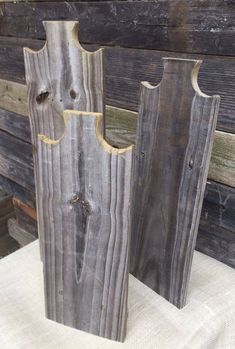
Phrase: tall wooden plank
[84,212]
[62,75]
[175,132]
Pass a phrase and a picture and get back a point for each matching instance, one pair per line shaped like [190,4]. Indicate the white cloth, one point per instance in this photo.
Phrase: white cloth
[207,322]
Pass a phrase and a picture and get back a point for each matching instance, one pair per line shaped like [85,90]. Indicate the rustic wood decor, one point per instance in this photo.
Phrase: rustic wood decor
[84,211]
[82,186]
[62,75]
[175,132]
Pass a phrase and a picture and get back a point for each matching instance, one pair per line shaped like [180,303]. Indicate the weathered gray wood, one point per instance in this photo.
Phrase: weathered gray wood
[216,242]
[62,75]
[15,189]
[83,208]
[219,206]
[125,68]
[175,132]
[222,166]
[171,25]
[19,234]
[7,245]
[120,130]
[83,187]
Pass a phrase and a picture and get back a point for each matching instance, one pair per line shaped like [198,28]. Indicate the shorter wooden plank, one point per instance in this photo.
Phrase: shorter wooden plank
[19,234]
[84,213]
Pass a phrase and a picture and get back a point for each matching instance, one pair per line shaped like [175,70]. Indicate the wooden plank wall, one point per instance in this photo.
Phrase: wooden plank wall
[136,35]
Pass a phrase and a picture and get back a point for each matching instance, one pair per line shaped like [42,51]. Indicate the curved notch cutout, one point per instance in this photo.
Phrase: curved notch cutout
[95,124]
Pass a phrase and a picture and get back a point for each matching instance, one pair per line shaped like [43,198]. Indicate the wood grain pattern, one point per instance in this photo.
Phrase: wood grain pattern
[83,210]
[14,189]
[222,166]
[125,68]
[19,234]
[62,75]
[172,25]
[120,130]
[219,206]
[84,214]
[216,242]
[16,161]
[175,132]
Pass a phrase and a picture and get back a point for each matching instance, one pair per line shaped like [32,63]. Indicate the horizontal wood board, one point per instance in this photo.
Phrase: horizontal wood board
[184,26]
[126,68]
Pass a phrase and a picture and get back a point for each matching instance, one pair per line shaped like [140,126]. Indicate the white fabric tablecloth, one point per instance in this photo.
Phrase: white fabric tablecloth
[207,322]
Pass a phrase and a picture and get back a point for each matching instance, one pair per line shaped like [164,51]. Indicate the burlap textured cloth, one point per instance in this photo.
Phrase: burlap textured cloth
[207,322]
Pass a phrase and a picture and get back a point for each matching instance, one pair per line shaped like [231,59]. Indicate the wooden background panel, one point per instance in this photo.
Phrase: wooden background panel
[126,68]
[219,205]
[14,189]
[185,26]
[120,130]
[216,242]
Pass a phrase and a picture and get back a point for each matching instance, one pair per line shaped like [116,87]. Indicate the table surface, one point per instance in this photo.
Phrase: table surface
[207,321]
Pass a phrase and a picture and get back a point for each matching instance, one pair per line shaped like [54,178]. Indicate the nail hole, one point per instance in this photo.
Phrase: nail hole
[73,94]
[42,97]
[191,163]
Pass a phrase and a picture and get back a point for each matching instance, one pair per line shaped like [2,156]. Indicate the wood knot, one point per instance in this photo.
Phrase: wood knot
[42,97]
[76,199]
[73,94]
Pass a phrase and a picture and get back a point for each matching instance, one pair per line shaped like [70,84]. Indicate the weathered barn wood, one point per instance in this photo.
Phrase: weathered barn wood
[24,218]
[175,132]
[222,166]
[125,68]
[6,212]
[62,75]
[17,190]
[219,206]
[16,160]
[83,210]
[216,242]
[120,130]
[184,26]
[15,124]
[22,236]
[85,226]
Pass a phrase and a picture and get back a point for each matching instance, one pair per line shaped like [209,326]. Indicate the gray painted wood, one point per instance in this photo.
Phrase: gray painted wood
[84,214]
[175,132]
[62,75]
